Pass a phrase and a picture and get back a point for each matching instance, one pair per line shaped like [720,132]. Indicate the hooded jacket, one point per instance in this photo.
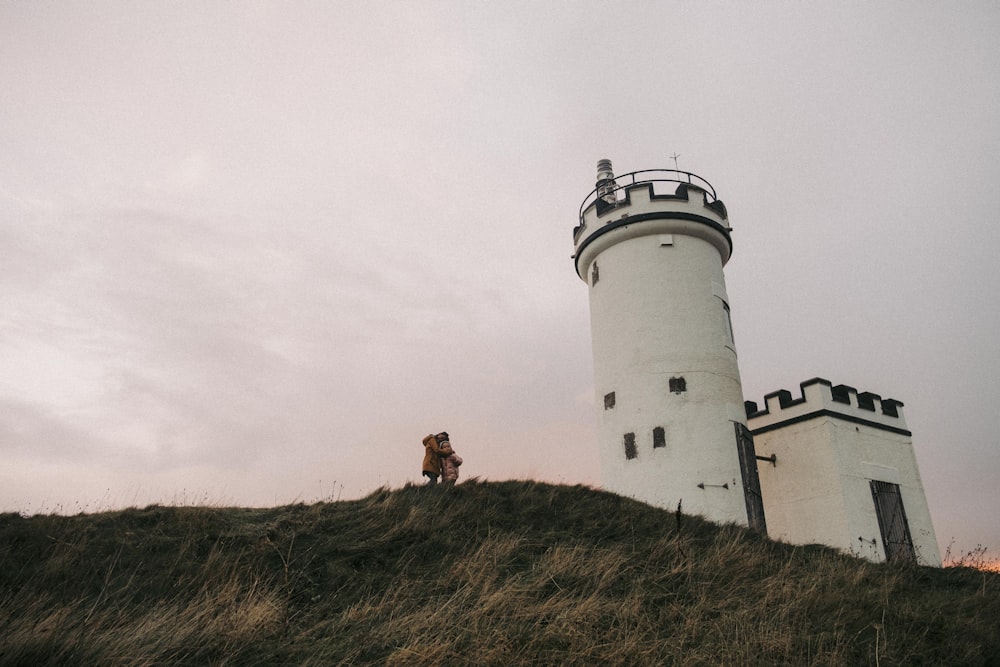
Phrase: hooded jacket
[432,455]
[449,463]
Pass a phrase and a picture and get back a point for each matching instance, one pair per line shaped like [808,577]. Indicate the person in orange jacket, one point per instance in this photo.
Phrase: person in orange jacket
[432,458]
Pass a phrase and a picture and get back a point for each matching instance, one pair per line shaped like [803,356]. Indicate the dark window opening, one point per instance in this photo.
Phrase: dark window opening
[595,274]
[609,401]
[892,522]
[728,321]
[630,451]
[678,385]
[659,437]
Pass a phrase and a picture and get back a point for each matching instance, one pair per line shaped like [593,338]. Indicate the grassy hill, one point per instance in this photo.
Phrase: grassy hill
[508,573]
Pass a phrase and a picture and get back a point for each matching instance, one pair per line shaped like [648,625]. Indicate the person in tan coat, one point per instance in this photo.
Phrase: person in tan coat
[432,458]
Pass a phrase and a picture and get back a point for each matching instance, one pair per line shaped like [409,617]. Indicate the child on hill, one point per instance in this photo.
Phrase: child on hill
[450,461]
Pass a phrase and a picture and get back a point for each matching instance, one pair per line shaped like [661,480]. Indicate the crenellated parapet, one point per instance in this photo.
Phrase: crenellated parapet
[819,397]
[652,202]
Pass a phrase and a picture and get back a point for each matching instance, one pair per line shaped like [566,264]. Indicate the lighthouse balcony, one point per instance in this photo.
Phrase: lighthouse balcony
[659,183]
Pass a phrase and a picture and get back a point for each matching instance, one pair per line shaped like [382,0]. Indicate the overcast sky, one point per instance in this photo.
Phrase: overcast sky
[253,252]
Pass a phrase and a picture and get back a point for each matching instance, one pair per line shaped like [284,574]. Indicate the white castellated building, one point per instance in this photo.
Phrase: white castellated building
[842,473]
[836,467]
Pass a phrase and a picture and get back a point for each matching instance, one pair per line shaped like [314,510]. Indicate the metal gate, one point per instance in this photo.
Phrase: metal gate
[892,522]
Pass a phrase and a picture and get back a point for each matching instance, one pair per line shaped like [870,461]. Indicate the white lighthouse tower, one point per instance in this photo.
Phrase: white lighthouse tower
[651,246]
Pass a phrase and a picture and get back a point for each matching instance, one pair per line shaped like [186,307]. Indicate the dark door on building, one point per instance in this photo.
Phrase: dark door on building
[751,480]
[892,522]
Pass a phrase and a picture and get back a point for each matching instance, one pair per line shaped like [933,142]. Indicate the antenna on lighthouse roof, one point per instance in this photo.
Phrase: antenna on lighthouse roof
[674,158]
[606,181]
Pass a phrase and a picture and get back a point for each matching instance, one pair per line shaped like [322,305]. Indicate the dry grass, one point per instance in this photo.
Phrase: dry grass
[512,573]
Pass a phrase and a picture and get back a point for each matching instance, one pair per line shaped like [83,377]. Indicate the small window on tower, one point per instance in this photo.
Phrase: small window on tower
[595,274]
[609,401]
[678,385]
[659,437]
[630,450]
[727,322]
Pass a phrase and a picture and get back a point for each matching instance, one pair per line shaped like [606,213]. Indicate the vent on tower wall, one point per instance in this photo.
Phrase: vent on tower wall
[609,401]
[678,385]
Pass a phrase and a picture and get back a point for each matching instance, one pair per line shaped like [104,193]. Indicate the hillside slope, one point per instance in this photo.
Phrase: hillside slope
[505,573]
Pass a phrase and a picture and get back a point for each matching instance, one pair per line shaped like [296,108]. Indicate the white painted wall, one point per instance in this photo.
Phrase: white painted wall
[657,312]
[827,453]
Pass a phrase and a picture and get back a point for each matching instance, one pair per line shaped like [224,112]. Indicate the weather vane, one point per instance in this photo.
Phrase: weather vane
[674,158]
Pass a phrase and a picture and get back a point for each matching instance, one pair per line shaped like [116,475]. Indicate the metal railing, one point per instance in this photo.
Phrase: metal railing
[649,176]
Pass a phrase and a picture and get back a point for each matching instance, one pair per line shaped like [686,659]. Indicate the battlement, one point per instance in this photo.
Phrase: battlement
[638,209]
[819,397]
[646,186]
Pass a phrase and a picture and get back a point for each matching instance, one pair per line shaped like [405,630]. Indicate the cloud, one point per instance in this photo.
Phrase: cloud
[31,431]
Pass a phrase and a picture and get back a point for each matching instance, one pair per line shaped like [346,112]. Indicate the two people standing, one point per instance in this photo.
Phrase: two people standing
[440,460]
